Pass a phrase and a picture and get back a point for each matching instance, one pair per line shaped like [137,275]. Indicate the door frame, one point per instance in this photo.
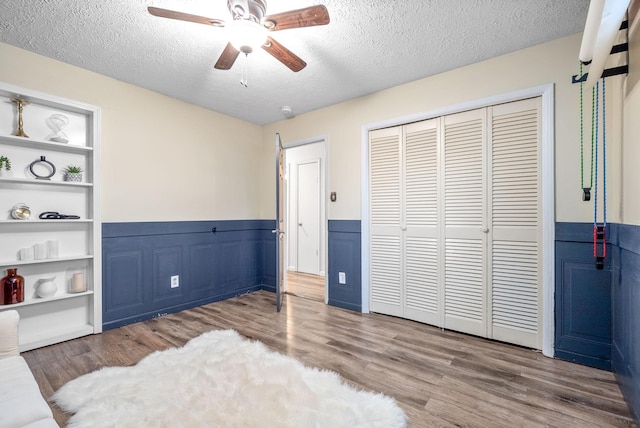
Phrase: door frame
[324,203]
[547,135]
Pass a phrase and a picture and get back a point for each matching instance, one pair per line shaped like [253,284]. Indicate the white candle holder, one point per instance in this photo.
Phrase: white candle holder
[76,280]
[40,251]
[53,247]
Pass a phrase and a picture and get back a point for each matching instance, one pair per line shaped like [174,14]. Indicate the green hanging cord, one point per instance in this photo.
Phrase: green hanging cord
[586,191]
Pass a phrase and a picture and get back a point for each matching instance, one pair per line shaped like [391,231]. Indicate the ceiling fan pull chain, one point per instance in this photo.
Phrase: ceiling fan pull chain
[243,77]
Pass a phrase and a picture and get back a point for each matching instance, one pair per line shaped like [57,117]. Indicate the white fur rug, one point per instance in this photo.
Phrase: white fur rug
[220,379]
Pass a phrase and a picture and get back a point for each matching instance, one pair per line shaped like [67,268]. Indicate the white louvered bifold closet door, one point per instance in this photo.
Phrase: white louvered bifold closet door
[385,185]
[516,240]
[456,222]
[465,229]
[421,222]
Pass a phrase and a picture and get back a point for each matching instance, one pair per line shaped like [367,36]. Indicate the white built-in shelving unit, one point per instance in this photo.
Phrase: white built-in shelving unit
[66,314]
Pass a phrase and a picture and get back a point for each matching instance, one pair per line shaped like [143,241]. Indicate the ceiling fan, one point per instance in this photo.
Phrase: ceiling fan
[249,28]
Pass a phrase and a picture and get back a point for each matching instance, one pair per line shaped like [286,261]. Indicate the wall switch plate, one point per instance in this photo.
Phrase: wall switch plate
[342,278]
[175,281]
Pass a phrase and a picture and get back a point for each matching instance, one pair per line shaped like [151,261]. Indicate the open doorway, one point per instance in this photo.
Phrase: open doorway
[305,219]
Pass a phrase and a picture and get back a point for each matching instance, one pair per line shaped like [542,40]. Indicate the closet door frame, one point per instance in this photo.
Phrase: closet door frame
[546,92]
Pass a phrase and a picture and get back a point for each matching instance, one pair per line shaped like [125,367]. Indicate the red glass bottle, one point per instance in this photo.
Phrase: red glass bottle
[11,288]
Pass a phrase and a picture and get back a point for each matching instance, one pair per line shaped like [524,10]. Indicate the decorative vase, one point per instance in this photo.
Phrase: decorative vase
[73,176]
[11,288]
[46,287]
[56,122]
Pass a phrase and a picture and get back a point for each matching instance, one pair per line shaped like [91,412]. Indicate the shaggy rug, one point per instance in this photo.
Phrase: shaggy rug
[220,379]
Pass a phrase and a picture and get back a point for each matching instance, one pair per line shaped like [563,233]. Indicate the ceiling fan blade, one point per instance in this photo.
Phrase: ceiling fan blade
[284,55]
[307,17]
[227,58]
[181,16]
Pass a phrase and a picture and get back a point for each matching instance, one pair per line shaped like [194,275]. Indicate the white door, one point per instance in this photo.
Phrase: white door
[308,218]
[279,230]
[465,228]
[421,241]
[385,163]
[515,247]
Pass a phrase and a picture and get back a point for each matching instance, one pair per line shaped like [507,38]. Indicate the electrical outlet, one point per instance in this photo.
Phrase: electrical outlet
[342,278]
[175,281]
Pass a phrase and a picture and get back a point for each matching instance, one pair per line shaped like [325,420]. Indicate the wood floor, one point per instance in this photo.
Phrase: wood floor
[306,285]
[439,378]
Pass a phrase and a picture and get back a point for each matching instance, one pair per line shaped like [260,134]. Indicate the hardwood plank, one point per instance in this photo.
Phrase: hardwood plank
[440,378]
[306,285]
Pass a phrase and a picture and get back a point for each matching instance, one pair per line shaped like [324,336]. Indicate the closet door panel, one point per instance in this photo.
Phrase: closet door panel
[385,166]
[386,285]
[464,194]
[421,221]
[515,255]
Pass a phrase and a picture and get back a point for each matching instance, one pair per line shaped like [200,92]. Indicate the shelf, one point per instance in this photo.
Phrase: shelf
[63,316]
[34,301]
[45,182]
[36,262]
[38,221]
[42,144]
[47,337]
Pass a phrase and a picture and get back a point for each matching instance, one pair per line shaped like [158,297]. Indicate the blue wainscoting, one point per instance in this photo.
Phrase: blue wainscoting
[215,260]
[626,316]
[583,296]
[345,256]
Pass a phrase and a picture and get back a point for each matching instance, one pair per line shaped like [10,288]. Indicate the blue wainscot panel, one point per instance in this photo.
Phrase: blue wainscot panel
[583,315]
[345,256]
[583,307]
[214,260]
[626,317]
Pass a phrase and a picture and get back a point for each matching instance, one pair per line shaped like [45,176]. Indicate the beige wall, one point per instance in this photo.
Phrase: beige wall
[631,136]
[162,159]
[554,62]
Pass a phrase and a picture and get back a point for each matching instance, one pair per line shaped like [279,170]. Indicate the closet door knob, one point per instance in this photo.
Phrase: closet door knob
[485,230]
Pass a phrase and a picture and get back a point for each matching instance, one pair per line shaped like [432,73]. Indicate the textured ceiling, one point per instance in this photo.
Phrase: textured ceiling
[369,45]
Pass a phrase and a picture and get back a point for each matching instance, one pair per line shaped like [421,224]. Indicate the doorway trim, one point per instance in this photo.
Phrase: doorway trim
[324,167]
[547,135]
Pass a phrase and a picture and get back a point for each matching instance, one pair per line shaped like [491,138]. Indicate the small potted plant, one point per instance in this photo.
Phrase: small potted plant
[5,164]
[73,173]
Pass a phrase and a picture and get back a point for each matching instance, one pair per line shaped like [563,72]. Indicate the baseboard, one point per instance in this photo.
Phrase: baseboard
[178,308]
[345,305]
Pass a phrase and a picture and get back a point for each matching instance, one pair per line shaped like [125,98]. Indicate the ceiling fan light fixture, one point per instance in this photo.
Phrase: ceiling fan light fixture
[246,35]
